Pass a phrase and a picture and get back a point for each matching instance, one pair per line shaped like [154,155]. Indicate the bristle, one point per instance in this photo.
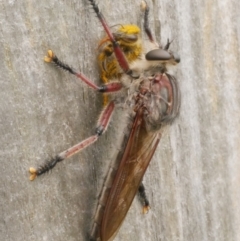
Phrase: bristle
[95,6]
[48,165]
[62,65]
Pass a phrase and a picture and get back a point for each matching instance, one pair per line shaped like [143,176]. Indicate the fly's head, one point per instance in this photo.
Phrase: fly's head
[155,59]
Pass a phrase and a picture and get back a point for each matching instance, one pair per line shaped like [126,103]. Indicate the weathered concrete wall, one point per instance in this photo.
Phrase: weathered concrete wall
[193,180]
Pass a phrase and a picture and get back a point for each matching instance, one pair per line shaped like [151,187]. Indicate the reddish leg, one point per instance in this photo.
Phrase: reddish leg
[101,128]
[116,48]
[107,88]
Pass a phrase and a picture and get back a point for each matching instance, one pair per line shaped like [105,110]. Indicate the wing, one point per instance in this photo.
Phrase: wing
[139,150]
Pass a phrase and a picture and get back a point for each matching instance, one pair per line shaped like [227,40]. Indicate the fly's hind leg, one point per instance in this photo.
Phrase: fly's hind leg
[143,198]
[101,128]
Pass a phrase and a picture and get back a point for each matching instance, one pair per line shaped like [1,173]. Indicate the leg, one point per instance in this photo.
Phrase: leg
[107,88]
[146,21]
[143,198]
[101,128]
[129,40]
[119,54]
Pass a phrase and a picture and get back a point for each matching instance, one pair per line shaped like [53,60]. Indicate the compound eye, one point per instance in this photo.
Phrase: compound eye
[158,54]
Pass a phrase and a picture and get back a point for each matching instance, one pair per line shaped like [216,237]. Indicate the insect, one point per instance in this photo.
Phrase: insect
[136,71]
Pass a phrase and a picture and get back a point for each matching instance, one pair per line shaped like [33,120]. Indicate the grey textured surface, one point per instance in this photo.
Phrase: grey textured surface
[193,180]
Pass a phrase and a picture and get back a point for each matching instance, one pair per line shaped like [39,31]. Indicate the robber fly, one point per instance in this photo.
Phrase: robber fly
[137,71]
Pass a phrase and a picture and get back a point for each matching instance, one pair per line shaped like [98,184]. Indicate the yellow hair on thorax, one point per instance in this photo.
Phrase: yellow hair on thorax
[129,29]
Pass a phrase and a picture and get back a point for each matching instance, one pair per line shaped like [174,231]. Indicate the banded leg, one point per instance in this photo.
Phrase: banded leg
[106,88]
[143,198]
[101,128]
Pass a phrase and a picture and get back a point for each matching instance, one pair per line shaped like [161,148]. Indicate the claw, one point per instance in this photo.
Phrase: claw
[49,57]
[146,208]
[33,173]
[143,5]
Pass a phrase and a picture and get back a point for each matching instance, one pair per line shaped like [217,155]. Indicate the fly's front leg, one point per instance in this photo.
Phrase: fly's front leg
[143,198]
[101,128]
[106,88]
[119,54]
